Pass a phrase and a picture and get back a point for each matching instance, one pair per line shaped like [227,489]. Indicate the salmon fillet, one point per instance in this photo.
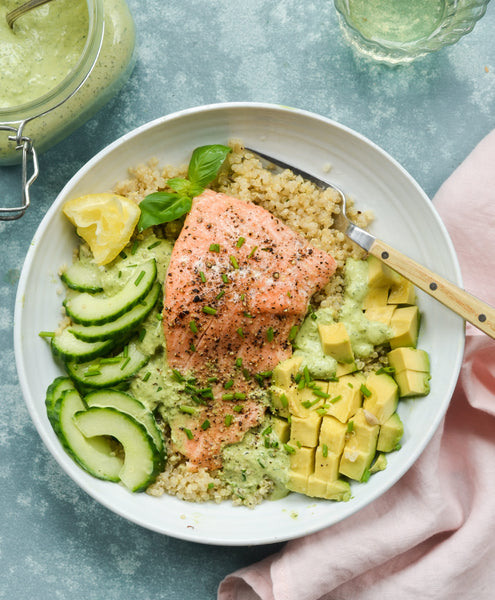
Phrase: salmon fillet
[238,285]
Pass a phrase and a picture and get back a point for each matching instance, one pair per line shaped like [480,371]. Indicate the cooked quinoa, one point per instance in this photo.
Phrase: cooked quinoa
[304,208]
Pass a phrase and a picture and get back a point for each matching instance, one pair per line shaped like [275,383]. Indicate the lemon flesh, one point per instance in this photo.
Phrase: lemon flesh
[105,221]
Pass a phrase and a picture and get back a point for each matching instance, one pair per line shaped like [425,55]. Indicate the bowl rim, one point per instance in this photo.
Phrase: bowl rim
[54,208]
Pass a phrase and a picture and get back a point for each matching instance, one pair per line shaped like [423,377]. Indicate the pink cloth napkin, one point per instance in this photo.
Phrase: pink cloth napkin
[433,534]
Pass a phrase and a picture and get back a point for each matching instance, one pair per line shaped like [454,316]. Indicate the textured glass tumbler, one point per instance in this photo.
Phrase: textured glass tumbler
[400,31]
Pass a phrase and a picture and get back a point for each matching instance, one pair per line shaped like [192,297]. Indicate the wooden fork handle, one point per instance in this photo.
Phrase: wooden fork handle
[470,308]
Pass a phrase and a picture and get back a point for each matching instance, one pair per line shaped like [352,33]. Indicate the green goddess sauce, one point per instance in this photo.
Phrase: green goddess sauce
[41,49]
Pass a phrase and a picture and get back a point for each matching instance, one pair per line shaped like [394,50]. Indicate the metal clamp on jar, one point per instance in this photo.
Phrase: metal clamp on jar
[40,104]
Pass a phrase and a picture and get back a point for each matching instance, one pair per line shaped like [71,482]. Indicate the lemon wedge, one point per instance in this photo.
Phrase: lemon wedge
[105,221]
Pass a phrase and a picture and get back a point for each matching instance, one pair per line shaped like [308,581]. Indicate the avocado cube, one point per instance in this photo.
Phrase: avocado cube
[360,447]
[345,369]
[335,342]
[280,399]
[413,383]
[381,396]
[281,429]
[303,402]
[316,486]
[285,371]
[390,435]
[297,482]
[339,490]
[332,434]
[383,314]
[303,460]
[402,292]
[305,431]
[344,397]
[380,464]
[326,464]
[405,325]
[379,274]
[376,296]
[413,359]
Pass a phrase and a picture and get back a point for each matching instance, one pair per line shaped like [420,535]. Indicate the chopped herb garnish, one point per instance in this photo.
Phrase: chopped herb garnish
[365,390]
[202,276]
[134,247]
[251,254]
[225,278]
[239,396]
[139,277]
[324,450]
[214,247]
[205,425]
[92,372]
[220,294]
[238,362]
[154,244]
[228,396]
[187,409]
[46,334]
[284,400]
[238,408]
[123,255]
[110,360]
[228,420]
[240,242]
[366,476]
[147,376]
[233,261]
[189,434]
[193,326]
[388,370]
[209,310]
[192,348]
[336,399]
[125,363]
[270,334]
[142,333]
[240,332]
[320,393]
[350,426]
[212,379]
[178,375]
[289,449]
[211,485]
[322,411]
[228,384]
[267,430]
[293,332]
[261,464]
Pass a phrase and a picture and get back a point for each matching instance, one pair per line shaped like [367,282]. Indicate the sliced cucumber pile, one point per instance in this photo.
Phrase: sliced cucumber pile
[107,432]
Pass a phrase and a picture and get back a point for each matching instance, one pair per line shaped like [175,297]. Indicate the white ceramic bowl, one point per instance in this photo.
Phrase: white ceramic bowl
[404,217]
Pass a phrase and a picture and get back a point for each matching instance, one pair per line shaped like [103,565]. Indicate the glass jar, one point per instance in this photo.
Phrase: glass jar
[101,69]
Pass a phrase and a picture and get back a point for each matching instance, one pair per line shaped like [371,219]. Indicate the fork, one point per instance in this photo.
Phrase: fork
[475,311]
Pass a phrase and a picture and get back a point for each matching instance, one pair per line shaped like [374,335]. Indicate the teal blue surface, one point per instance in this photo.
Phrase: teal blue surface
[55,541]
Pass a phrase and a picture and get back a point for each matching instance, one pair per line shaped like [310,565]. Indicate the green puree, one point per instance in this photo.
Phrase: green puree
[364,334]
[41,50]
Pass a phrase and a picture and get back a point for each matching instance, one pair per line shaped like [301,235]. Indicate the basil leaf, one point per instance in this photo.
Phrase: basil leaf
[206,162]
[162,207]
[180,185]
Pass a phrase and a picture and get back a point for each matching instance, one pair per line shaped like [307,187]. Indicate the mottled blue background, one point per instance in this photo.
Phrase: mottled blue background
[55,541]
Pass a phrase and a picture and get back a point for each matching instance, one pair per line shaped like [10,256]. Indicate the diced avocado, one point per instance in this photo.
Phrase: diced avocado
[285,371]
[302,462]
[338,490]
[306,430]
[380,463]
[381,395]
[382,314]
[280,399]
[376,296]
[316,486]
[281,429]
[402,292]
[333,434]
[379,274]
[413,383]
[391,433]
[413,359]
[405,325]
[360,447]
[344,397]
[336,342]
[345,369]
[303,402]
[326,463]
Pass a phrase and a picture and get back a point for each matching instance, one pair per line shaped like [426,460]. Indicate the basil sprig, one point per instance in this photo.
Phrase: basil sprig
[163,207]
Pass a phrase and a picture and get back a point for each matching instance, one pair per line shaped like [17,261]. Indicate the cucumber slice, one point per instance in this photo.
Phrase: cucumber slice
[83,277]
[120,326]
[53,393]
[142,461]
[97,309]
[126,403]
[107,372]
[95,454]
[68,347]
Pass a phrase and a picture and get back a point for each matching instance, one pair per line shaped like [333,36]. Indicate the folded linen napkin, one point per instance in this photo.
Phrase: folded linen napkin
[432,535]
